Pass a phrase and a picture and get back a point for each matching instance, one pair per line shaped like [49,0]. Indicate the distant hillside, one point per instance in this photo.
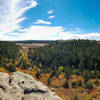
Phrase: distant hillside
[35,41]
[76,54]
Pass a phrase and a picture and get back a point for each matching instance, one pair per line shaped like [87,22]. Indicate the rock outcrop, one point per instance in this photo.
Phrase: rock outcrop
[21,86]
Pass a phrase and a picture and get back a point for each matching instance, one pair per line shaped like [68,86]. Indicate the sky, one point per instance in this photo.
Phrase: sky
[49,19]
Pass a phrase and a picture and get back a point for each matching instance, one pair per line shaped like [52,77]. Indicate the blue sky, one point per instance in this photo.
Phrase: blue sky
[49,19]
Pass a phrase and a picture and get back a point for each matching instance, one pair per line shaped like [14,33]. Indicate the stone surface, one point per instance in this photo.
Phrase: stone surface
[21,86]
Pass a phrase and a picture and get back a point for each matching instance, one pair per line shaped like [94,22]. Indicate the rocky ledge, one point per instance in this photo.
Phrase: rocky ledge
[21,86]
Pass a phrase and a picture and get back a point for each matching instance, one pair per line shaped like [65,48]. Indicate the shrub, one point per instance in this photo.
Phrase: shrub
[66,85]
[86,76]
[98,74]
[49,80]
[96,82]
[24,65]
[11,68]
[74,84]
[79,83]
[38,75]
[88,85]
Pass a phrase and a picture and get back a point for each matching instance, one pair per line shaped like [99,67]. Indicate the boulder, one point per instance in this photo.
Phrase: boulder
[20,86]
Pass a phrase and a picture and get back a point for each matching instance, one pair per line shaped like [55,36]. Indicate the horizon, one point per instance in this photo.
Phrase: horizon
[49,40]
[49,20]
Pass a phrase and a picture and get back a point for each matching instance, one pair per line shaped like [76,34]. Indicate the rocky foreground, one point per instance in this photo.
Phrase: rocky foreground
[21,86]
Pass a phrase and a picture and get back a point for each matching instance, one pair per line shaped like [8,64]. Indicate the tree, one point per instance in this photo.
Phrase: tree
[24,64]
[60,70]
[96,82]
[79,83]
[49,80]
[82,63]
[80,54]
[88,85]
[86,76]
[11,68]
[38,75]
[66,85]
[74,85]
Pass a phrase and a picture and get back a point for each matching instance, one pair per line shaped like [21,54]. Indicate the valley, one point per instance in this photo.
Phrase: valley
[69,68]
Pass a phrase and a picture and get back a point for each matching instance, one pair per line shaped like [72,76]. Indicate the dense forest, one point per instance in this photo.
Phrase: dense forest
[68,56]
[76,56]
[35,41]
[8,55]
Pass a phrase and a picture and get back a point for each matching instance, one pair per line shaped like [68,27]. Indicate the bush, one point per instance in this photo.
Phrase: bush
[98,74]
[24,64]
[11,68]
[86,76]
[49,80]
[38,75]
[74,84]
[79,83]
[66,85]
[88,85]
[96,82]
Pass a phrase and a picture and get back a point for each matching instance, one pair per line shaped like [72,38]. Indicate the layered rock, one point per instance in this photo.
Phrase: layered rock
[21,86]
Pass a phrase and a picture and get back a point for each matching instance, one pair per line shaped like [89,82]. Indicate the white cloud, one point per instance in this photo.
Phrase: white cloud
[51,17]
[50,11]
[38,32]
[40,21]
[41,32]
[11,26]
[11,14]
[33,3]
[71,35]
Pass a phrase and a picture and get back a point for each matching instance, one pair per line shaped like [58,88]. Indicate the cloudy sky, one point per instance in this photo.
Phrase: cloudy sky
[49,19]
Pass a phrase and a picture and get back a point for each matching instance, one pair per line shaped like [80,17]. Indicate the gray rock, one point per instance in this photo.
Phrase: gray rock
[4,81]
[21,86]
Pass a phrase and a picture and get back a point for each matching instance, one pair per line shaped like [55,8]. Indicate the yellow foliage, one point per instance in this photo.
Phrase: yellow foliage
[3,70]
[60,68]
[58,82]
[36,68]
[44,78]
[61,76]
[88,97]
[40,65]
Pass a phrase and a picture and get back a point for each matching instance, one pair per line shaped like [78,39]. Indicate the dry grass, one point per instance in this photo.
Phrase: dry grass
[33,45]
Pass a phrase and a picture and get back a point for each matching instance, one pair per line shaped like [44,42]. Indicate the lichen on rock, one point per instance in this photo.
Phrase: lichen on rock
[20,86]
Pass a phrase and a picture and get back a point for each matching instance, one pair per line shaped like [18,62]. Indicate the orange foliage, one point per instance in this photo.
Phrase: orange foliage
[3,70]
[58,82]
[63,93]
[44,78]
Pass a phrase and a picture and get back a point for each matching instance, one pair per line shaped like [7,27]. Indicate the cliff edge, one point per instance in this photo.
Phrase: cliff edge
[20,86]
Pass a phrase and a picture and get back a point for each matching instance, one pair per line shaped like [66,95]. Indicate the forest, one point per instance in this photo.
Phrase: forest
[8,55]
[69,57]
[76,56]
[35,41]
